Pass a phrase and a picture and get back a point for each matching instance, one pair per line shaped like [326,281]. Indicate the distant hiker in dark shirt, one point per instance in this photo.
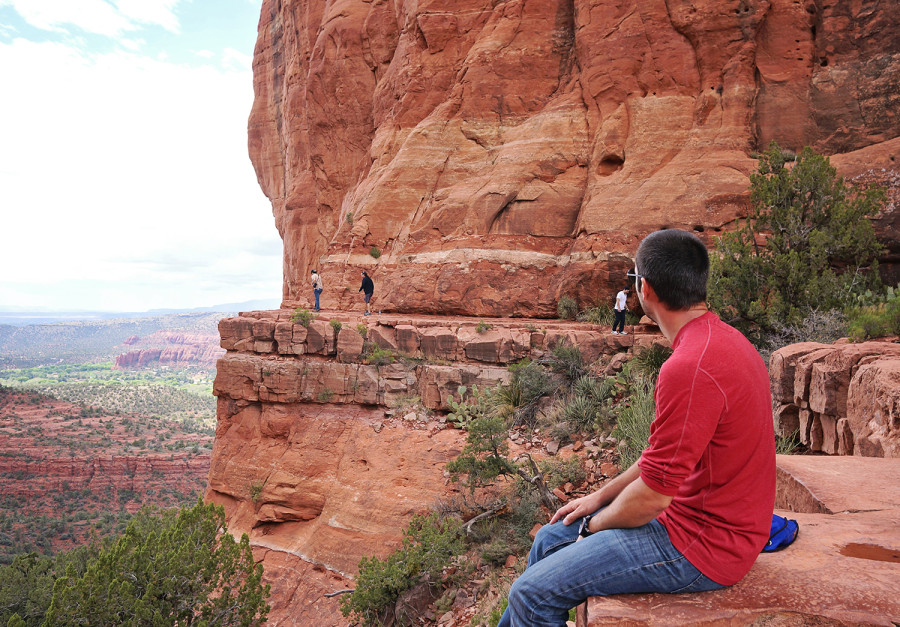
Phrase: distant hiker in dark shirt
[367,288]
[317,286]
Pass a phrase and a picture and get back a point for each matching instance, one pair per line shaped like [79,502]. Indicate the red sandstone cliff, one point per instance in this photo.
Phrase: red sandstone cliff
[486,148]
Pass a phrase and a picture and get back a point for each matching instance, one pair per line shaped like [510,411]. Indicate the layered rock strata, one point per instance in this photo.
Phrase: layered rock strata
[170,348]
[841,399]
[323,458]
[487,157]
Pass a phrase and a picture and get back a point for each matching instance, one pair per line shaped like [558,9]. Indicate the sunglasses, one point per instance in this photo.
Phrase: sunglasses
[637,279]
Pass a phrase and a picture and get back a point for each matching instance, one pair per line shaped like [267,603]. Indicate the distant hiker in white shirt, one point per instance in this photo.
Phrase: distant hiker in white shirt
[621,307]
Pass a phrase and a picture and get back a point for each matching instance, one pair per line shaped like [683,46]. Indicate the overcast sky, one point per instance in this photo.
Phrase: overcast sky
[125,183]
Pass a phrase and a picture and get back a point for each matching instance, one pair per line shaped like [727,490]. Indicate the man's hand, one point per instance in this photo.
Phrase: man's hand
[573,510]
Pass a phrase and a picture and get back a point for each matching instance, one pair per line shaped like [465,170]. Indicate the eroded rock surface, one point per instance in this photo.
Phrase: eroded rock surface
[842,399]
[498,155]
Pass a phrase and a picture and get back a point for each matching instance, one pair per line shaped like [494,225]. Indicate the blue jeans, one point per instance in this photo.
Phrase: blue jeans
[317,292]
[562,574]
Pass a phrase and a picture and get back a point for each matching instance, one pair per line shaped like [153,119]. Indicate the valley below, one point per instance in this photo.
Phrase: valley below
[99,419]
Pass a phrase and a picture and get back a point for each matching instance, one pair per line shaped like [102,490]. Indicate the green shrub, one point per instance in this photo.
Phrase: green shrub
[377,356]
[558,472]
[496,552]
[633,427]
[362,329]
[599,314]
[303,315]
[484,458]
[787,444]
[807,244]
[566,308]
[516,402]
[481,327]
[350,218]
[587,406]
[428,546]
[171,568]
[567,360]
[375,252]
[876,320]
[647,362]
[336,325]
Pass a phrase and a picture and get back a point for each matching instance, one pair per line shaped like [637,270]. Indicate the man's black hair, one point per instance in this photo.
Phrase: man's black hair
[677,266]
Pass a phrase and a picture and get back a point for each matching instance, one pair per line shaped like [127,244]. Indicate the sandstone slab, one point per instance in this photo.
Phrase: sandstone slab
[841,570]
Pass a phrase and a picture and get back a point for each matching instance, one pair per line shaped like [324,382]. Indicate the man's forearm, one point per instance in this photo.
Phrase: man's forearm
[634,506]
[592,502]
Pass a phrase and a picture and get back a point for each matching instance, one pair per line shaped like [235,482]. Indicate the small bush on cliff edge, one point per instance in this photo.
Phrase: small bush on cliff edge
[566,308]
[429,543]
[303,315]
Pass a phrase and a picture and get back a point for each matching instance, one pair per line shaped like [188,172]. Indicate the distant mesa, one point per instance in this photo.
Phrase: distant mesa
[172,348]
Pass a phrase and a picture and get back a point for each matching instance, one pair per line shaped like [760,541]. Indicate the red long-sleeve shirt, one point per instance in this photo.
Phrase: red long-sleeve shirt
[712,448]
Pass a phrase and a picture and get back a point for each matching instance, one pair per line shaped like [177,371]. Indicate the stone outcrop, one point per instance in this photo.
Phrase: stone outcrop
[325,449]
[841,570]
[841,399]
[487,157]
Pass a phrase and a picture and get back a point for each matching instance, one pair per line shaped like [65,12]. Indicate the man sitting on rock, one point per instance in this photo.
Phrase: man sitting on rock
[695,510]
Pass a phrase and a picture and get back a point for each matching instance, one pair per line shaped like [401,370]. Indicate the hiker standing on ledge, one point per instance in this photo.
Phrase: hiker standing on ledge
[621,307]
[317,286]
[695,510]
[367,288]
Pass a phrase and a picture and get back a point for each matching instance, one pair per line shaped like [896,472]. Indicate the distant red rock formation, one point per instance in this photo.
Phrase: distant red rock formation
[172,348]
[498,155]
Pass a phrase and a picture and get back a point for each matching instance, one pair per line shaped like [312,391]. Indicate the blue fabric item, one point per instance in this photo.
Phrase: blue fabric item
[782,534]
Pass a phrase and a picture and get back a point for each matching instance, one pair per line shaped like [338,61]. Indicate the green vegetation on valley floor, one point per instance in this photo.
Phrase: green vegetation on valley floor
[117,463]
[183,394]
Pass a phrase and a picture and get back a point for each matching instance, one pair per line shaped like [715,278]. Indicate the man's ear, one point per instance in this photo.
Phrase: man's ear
[647,291]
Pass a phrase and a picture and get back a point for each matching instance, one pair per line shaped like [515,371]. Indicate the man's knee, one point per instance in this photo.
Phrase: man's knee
[521,596]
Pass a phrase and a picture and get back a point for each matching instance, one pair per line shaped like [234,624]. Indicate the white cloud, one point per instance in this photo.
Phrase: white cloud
[235,60]
[132,44]
[161,12]
[93,16]
[132,174]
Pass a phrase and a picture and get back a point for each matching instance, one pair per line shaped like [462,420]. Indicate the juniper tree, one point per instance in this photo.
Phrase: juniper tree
[179,568]
[807,244]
